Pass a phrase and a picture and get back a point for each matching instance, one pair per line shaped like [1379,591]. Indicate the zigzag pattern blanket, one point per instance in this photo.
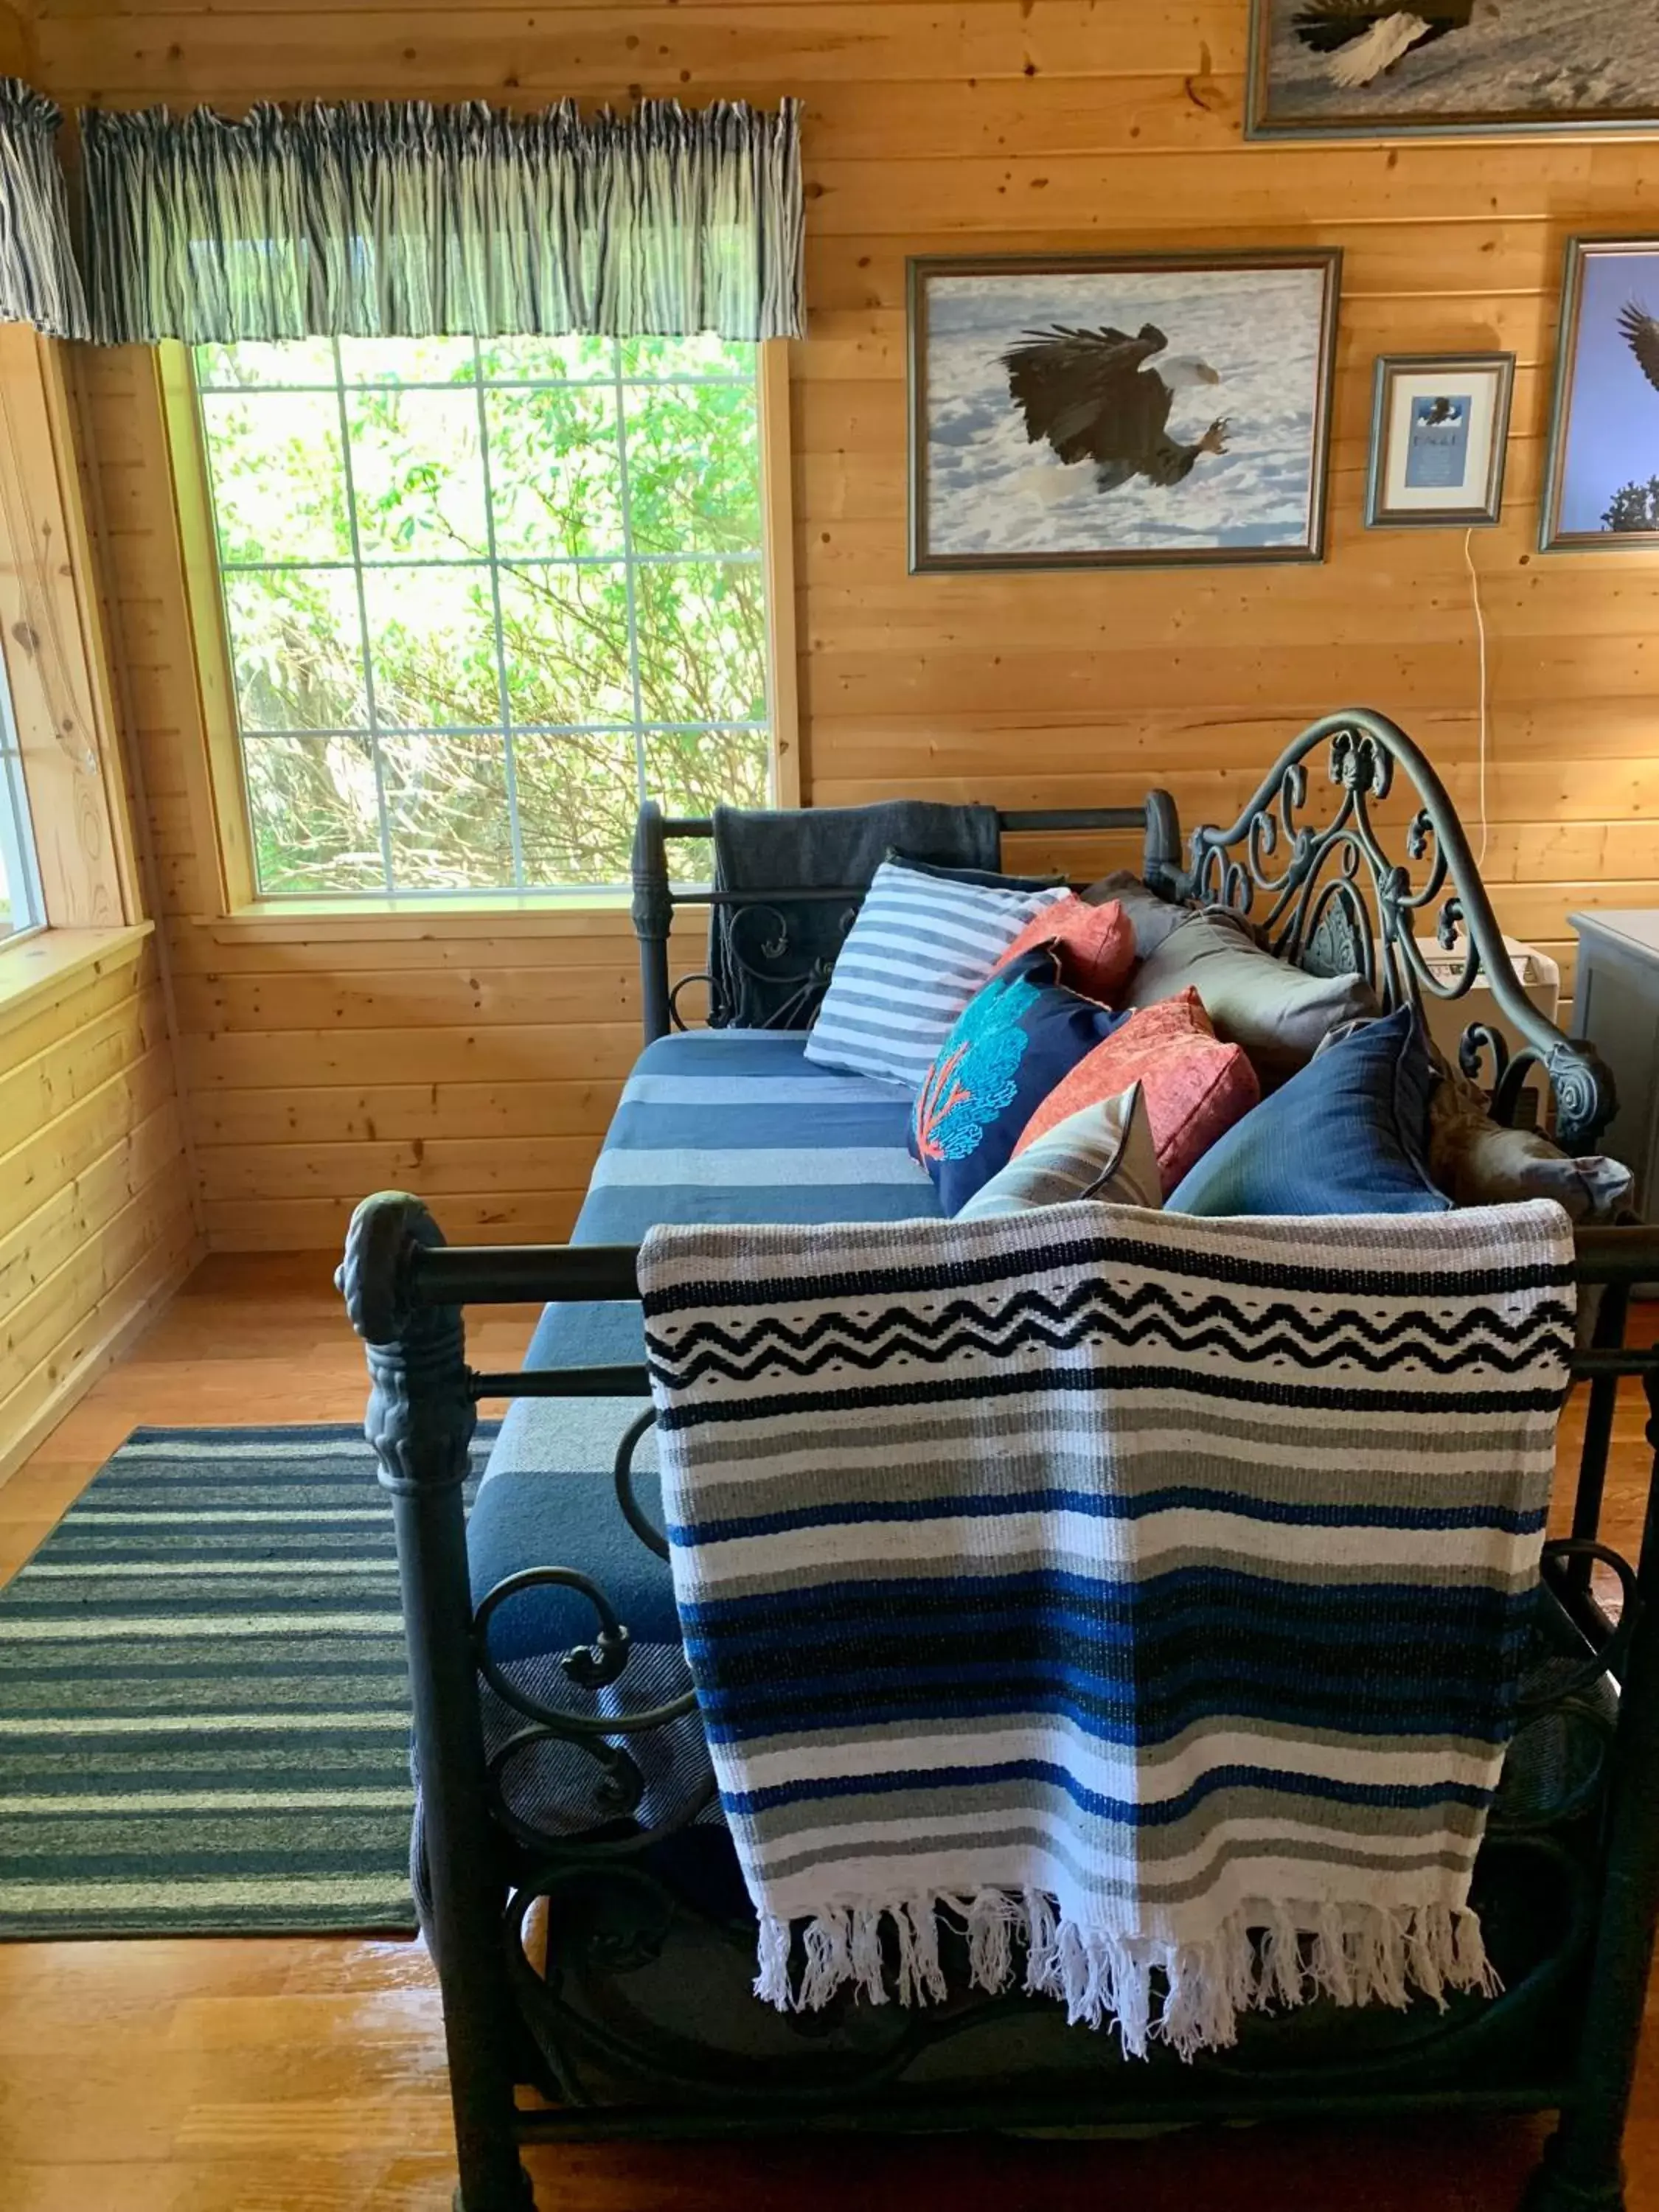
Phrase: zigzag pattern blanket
[1139,1598]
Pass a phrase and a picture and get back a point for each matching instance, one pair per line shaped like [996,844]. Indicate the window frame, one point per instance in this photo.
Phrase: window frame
[60,706]
[17,847]
[221,802]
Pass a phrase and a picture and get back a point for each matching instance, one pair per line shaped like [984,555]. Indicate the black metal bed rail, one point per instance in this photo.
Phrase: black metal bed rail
[540,1274]
[656,896]
[506,2022]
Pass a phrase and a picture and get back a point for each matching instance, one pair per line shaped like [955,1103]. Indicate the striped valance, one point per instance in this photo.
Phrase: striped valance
[407,220]
[39,282]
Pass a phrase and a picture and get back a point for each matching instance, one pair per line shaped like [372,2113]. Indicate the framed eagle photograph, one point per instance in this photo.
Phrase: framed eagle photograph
[1322,68]
[1121,410]
[1602,479]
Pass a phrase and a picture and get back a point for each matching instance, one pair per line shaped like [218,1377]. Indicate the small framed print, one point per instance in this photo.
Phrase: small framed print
[1439,429]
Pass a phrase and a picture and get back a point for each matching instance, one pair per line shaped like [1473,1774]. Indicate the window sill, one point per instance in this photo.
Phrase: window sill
[50,963]
[577,914]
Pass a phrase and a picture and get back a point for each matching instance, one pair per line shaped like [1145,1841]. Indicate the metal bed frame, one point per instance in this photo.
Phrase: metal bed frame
[534,2057]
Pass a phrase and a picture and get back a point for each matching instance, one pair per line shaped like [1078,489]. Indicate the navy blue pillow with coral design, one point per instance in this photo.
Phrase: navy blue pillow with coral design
[1016,1036]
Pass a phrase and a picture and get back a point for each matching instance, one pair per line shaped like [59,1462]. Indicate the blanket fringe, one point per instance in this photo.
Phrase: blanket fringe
[1189,1996]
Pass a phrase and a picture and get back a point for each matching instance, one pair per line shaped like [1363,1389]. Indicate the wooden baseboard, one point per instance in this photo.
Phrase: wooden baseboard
[99,1358]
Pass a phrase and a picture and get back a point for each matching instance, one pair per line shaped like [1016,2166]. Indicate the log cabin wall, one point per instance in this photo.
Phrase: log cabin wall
[476,1061]
[96,1220]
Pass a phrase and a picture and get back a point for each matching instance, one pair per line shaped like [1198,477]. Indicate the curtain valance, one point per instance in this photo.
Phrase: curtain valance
[39,282]
[407,220]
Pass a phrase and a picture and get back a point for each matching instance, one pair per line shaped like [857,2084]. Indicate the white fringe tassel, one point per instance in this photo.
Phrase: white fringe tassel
[1260,1960]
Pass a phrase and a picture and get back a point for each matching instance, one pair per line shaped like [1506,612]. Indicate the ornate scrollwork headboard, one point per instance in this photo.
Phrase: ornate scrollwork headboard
[1329,894]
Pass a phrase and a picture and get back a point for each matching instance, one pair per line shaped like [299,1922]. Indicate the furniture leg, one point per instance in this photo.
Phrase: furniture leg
[1582,2170]
[421,1420]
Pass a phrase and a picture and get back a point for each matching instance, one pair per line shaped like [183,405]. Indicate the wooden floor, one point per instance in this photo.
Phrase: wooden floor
[260,2076]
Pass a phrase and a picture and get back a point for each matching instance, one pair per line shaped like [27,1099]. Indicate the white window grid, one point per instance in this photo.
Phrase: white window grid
[507,726]
[19,874]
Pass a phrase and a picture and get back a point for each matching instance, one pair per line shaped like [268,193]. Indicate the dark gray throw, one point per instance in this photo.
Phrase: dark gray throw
[770,962]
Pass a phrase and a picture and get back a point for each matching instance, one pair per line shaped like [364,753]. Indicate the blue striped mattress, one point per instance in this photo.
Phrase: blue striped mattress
[733,1124]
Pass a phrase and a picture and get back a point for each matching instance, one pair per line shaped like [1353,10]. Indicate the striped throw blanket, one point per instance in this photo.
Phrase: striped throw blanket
[1128,1602]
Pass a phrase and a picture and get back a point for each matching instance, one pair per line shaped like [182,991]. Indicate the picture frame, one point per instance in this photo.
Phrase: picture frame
[1441,76]
[1440,427]
[1602,472]
[1064,412]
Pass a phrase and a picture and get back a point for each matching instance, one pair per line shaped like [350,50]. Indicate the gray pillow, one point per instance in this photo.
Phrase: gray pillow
[1103,1151]
[1152,918]
[1478,1162]
[1277,1013]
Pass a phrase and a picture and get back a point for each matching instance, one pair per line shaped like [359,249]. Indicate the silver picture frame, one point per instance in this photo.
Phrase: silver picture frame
[927,555]
[1463,453]
[1600,284]
[1370,113]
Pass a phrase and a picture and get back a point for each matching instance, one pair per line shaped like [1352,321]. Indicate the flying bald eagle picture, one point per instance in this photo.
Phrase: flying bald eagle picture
[1119,410]
[1381,67]
[1603,486]
[1103,397]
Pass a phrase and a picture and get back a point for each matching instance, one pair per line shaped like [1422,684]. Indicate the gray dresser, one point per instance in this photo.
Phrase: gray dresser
[1617,1008]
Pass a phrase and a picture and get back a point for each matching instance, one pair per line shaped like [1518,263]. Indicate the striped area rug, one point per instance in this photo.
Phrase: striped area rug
[203,1706]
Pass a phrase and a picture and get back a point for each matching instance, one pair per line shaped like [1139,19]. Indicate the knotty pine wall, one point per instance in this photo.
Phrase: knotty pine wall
[95,1214]
[477,1062]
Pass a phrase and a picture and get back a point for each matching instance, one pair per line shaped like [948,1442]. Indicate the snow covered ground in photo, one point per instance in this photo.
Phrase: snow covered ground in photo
[991,491]
[1513,56]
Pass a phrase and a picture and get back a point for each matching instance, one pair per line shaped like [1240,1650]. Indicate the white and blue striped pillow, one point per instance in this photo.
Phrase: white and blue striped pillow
[920,947]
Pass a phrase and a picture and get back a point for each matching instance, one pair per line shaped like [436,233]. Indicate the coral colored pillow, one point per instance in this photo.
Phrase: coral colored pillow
[1097,945]
[1195,1088]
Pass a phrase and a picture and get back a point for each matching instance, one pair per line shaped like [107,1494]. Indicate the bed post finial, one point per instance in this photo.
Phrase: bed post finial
[421,1421]
[654,917]
[1160,866]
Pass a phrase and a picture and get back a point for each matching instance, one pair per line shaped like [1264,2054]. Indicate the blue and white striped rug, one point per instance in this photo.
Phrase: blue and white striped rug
[203,1704]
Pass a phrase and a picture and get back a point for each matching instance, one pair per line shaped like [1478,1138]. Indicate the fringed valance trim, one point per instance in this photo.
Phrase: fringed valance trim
[39,282]
[405,220]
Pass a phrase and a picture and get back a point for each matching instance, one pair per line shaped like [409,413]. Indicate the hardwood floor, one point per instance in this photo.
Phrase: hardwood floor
[261,2075]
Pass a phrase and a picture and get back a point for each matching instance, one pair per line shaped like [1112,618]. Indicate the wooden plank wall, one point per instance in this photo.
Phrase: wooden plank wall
[478,1067]
[96,1217]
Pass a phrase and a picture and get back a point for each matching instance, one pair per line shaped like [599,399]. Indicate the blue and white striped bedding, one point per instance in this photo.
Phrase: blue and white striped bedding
[734,1126]
[715,1125]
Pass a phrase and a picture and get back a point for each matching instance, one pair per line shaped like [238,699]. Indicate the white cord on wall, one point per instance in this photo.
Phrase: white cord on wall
[1480,633]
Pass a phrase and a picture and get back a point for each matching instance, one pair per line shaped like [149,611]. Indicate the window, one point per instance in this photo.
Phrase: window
[20,904]
[481,597]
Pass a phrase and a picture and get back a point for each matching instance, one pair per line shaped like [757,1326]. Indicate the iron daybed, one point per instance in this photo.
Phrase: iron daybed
[594,1951]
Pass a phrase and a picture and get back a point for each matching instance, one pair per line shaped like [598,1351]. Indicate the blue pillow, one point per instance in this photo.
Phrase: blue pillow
[1348,1133]
[1016,1036]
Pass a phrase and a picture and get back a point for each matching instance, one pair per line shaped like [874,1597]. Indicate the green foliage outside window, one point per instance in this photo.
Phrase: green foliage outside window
[482,598]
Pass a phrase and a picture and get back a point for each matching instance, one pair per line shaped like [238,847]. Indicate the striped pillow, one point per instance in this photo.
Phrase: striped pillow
[919,949]
[1105,1152]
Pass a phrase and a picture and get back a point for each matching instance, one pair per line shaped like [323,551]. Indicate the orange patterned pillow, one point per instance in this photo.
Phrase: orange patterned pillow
[1097,945]
[1194,1086]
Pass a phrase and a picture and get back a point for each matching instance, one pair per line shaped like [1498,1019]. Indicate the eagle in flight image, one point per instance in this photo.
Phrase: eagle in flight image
[1096,396]
[1641,332]
[1365,38]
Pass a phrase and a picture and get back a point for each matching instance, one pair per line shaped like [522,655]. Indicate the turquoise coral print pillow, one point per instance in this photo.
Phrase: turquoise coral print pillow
[1015,1039]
